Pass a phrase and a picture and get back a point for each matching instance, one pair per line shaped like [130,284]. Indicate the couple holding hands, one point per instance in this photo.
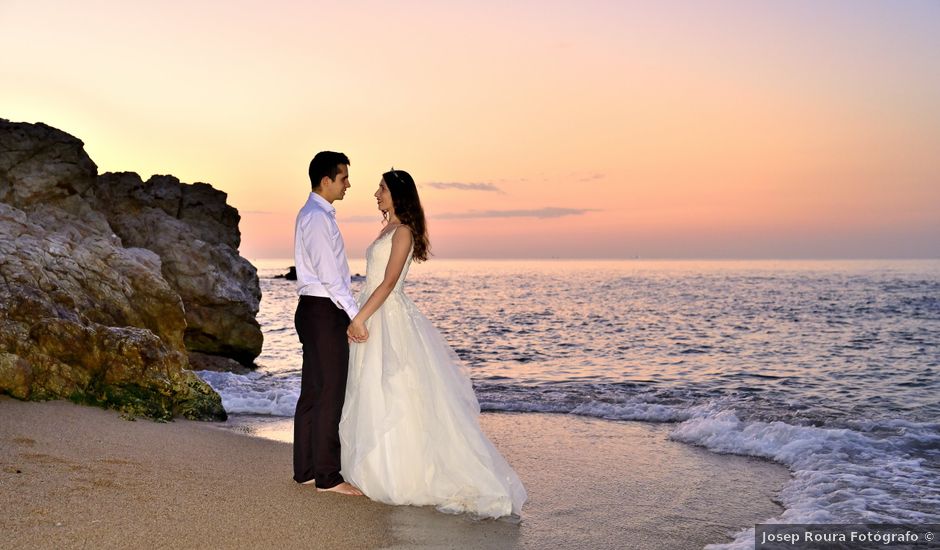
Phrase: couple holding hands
[386,409]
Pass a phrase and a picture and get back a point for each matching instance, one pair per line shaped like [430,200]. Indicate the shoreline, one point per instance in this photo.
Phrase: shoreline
[76,475]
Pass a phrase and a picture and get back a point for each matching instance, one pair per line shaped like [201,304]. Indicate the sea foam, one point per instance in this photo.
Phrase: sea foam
[255,393]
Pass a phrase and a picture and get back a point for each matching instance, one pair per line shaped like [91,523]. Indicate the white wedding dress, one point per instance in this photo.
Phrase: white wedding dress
[409,429]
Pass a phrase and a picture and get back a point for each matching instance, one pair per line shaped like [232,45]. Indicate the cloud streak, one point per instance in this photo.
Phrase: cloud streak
[592,177]
[489,187]
[550,212]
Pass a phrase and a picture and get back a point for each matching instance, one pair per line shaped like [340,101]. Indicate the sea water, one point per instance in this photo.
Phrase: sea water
[829,368]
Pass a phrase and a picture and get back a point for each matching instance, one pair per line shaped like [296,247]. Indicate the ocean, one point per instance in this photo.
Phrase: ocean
[829,368]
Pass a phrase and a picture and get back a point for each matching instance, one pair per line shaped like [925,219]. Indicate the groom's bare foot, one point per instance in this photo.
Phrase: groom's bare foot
[343,489]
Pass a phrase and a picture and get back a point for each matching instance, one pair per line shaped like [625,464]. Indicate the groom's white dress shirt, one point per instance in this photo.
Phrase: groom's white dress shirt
[320,255]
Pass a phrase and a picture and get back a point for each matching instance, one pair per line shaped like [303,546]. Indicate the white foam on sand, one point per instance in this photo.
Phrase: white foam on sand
[650,412]
[838,475]
[255,393]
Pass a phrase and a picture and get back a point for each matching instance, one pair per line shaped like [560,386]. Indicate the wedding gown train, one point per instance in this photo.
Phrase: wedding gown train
[409,429]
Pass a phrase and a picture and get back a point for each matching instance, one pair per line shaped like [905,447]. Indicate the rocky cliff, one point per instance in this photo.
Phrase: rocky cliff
[107,282]
[196,235]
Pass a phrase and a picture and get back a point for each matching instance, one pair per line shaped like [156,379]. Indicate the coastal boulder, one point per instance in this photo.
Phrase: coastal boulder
[39,164]
[84,319]
[196,235]
[81,316]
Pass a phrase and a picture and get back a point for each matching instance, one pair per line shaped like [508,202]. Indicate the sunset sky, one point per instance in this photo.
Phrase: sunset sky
[570,129]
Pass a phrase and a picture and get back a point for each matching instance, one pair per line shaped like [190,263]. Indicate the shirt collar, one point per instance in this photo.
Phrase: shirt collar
[321,202]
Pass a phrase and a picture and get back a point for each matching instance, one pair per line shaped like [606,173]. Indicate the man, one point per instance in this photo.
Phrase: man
[323,313]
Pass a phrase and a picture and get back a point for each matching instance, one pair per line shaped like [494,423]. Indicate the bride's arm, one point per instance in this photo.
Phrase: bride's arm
[401,247]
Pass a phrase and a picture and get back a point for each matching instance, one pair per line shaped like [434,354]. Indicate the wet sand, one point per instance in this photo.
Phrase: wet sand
[73,476]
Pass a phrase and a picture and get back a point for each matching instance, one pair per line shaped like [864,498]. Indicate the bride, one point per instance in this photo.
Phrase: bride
[409,432]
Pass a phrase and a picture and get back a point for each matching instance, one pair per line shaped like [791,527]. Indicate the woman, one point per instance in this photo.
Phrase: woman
[409,429]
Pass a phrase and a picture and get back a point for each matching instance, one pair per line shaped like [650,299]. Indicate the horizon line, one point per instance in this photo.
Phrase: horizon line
[651,258]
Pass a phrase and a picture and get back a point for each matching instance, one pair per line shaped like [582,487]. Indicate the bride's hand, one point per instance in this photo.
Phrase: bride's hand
[357,332]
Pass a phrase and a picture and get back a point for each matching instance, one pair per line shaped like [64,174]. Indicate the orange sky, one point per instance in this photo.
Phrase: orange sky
[573,129]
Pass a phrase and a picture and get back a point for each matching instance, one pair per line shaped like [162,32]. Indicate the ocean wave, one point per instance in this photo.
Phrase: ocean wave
[838,475]
[255,393]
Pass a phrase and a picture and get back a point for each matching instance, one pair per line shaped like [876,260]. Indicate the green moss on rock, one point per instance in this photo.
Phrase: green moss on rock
[189,397]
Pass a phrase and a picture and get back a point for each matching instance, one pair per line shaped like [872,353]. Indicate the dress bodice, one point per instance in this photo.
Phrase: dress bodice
[377,256]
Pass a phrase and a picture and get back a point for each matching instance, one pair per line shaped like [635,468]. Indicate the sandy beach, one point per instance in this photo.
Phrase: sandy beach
[77,477]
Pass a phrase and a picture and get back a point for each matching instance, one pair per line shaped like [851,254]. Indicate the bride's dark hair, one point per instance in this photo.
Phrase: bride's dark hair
[408,209]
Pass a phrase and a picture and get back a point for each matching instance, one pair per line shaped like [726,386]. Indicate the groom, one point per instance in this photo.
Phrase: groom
[323,313]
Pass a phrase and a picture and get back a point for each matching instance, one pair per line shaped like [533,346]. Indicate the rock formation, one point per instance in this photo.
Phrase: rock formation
[195,233]
[291,274]
[104,281]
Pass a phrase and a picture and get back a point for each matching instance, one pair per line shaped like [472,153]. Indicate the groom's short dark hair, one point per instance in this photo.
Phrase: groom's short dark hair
[325,164]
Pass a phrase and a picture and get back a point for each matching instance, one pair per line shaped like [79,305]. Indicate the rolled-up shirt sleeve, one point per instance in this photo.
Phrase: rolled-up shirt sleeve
[322,243]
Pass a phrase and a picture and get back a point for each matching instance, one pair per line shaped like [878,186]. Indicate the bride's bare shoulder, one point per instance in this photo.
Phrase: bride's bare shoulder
[403,233]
